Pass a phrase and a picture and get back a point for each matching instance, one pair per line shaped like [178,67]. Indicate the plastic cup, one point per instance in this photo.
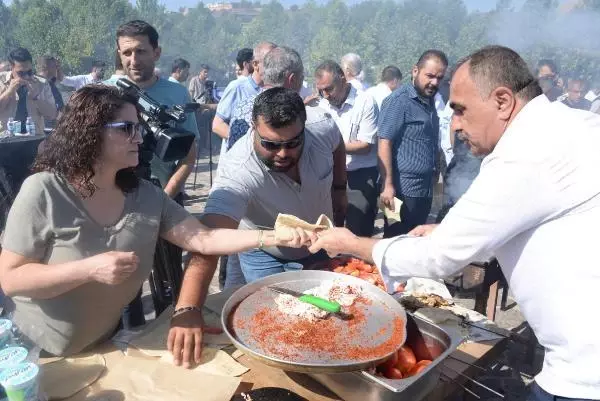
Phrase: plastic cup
[5,332]
[21,382]
[12,356]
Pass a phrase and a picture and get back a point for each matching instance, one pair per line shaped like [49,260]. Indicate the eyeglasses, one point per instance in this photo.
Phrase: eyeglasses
[25,74]
[273,146]
[130,128]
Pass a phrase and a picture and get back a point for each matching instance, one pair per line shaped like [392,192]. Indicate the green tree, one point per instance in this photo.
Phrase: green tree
[6,25]
[91,26]
[39,26]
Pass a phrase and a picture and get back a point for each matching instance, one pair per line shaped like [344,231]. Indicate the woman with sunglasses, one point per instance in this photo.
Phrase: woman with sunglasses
[80,237]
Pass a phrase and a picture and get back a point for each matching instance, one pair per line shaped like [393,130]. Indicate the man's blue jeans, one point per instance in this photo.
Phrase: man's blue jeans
[257,264]
[539,394]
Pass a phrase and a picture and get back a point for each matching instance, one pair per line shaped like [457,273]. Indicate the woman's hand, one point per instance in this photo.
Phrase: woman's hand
[113,267]
[289,237]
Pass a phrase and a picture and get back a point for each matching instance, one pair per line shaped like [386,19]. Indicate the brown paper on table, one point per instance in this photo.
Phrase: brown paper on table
[63,378]
[153,343]
[153,340]
[136,379]
[393,216]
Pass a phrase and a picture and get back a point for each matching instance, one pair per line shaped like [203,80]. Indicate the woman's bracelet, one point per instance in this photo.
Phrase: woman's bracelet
[261,240]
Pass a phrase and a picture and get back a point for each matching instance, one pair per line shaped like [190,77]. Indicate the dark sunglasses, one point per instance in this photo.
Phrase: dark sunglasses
[25,74]
[273,146]
[130,128]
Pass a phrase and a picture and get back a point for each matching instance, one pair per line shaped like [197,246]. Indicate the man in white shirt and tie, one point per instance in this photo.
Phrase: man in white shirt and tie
[535,205]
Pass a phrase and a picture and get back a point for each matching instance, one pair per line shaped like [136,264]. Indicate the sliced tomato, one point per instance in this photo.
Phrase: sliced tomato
[365,267]
[348,269]
[406,359]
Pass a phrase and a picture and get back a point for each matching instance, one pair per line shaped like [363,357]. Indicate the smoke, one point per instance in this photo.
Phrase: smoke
[461,172]
[569,29]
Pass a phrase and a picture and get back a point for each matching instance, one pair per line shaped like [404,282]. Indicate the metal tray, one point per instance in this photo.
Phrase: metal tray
[379,317]
[428,341]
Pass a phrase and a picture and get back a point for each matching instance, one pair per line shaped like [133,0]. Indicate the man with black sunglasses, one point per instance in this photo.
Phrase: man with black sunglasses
[279,166]
[24,95]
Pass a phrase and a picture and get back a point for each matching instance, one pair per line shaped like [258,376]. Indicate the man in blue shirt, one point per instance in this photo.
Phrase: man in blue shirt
[137,46]
[408,131]
[239,90]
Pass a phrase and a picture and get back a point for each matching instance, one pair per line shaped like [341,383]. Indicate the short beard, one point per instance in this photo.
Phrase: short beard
[422,93]
[271,165]
[146,75]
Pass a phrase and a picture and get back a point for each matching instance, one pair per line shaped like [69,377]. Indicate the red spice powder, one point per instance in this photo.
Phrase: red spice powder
[290,337]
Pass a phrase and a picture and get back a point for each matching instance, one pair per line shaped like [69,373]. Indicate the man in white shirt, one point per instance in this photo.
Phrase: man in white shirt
[593,96]
[390,81]
[352,67]
[180,71]
[355,113]
[94,77]
[535,205]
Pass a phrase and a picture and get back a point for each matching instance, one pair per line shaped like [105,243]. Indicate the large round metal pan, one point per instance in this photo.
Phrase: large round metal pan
[379,325]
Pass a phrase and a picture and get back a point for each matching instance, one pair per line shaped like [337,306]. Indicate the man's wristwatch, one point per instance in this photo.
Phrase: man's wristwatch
[339,187]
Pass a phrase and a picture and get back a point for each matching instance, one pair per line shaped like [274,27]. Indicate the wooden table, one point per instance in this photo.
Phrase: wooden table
[261,375]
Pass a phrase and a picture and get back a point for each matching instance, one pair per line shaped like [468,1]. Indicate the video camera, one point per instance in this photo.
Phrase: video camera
[210,91]
[168,143]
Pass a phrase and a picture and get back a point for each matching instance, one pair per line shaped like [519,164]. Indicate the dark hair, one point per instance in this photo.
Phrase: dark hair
[19,55]
[44,60]
[494,66]
[75,145]
[432,54]
[390,73]
[118,62]
[279,107]
[98,64]
[332,67]
[204,67]
[245,55]
[546,62]
[138,28]
[180,64]
[579,79]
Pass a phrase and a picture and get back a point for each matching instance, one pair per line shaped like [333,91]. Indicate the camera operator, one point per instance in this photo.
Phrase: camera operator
[137,43]
[137,46]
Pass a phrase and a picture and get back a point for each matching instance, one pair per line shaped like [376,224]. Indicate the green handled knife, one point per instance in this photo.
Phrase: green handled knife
[321,303]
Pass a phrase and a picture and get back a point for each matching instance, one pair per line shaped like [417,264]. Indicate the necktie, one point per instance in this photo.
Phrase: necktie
[58,100]
[21,113]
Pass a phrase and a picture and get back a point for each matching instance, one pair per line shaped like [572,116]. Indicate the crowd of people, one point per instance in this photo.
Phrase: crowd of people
[80,237]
